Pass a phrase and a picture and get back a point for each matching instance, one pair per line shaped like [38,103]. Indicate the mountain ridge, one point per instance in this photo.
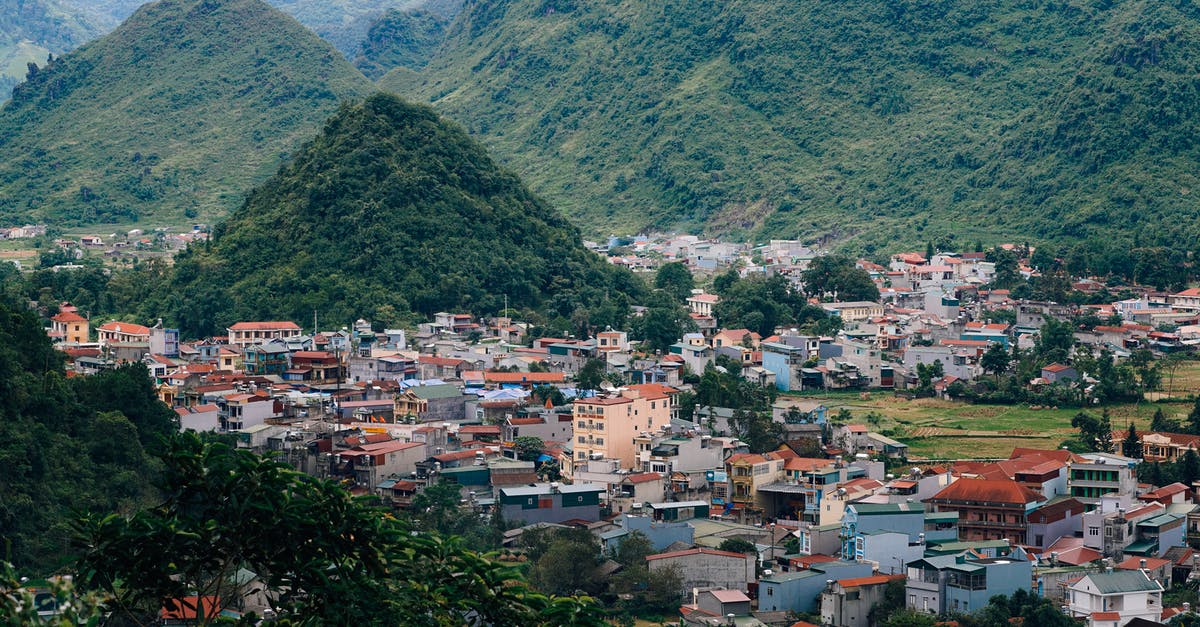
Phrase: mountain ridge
[860,123]
[389,210]
[173,115]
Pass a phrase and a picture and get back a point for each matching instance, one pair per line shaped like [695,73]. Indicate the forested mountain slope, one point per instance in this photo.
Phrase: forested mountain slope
[172,116]
[869,121]
[389,210]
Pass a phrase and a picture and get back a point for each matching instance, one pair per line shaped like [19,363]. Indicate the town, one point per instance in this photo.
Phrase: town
[725,469]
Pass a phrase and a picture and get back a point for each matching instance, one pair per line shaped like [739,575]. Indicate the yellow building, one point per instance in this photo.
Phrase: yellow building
[605,427]
[70,327]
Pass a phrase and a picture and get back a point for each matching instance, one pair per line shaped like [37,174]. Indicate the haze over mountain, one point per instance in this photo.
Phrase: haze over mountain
[31,29]
[867,121]
[174,115]
[389,210]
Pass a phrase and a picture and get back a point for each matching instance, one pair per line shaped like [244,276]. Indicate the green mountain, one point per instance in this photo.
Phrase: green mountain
[172,116]
[31,29]
[390,210]
[58,435]
[866,122]
[401,39]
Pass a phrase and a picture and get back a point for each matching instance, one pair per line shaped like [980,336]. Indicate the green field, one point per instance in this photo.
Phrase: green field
[938,429]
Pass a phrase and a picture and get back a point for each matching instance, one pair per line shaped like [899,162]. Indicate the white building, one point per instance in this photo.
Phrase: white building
[1112,599]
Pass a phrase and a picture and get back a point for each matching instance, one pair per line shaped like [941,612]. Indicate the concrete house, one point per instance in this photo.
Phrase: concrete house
[959,583]
[798,591]
[989,509]
[1117,597]
[708,568]
[551,502]
[848,602]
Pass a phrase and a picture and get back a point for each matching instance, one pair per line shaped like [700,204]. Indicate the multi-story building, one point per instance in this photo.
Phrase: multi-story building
[960,583]
[1113,599]
[848,602]
[122,333]
[702,304]
[70,327]
[247,333]
[748,472]
[1098,474]
[551,502]
[988,509]
[605,427]
[265,359]
[787,358]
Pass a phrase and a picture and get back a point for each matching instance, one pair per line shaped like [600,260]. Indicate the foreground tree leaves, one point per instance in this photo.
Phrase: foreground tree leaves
[322,556]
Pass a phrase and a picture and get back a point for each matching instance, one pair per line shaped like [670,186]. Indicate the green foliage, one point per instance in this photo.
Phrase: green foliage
[737,545]
[1094,433]
[995,359]
[389,206]
[836,275]
[567,565]
[885,123]
[910,618]
[591,375]
[529,447]
[57,434]
[1160,422]
[660,327]
[1054,341]
[324,557]
[129,127]
[633,549]
[401,39]
[1131,446]
[1021,607]
[762,304]
[675,279]
[21,601]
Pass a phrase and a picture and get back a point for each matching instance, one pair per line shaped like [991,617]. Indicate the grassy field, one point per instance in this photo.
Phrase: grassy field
[938,429]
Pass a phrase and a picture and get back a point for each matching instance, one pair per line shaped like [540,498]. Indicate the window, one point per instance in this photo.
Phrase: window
[1093,531]
[912,601]
[582,440]
[771,591]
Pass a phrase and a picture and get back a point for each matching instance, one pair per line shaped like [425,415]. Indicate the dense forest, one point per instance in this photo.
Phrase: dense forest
[870,122]
[401,39]
[68,445]
[389,210]
[171,117]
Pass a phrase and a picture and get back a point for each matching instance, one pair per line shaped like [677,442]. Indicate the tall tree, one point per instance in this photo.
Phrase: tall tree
[995,359]
[835,274]
[675,279]
[1131,446]
[1161,423]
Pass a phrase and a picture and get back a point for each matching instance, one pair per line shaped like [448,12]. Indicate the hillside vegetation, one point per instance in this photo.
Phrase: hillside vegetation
[872,122]
[389,210]
[67,444]
[401,39]
[173,116]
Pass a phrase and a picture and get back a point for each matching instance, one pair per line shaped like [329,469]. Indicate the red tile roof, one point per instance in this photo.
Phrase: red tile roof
[644,477]
[68,316]
[868,581]
[524,377]
[696,551]
[125,327]
[190,608]
[987,491]
[264,326]
[1135,563]
[440,361]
